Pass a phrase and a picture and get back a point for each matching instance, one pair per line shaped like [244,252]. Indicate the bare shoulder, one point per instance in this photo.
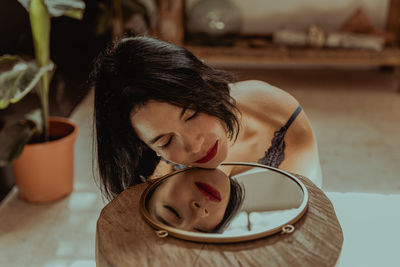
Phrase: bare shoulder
[264,97]
[274,106]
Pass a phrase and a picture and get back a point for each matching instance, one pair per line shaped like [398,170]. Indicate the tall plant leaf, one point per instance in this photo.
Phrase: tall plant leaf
[18,77]
[40,26]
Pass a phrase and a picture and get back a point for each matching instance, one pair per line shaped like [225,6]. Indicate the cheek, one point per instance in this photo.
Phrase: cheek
[224,149]
[221,156]
[212,124]
[218,214]
[179,195]
[176,154]
[218,128]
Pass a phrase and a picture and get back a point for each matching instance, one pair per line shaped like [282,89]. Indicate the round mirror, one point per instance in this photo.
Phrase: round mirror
[206,205]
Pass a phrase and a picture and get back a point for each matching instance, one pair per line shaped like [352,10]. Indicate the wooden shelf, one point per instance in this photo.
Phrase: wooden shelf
[285,55]
[170,27]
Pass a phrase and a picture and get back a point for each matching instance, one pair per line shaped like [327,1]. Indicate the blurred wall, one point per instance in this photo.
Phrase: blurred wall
[265,16]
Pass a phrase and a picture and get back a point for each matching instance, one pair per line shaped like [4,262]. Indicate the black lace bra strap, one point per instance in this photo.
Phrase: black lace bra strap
[292,118]
[276,152]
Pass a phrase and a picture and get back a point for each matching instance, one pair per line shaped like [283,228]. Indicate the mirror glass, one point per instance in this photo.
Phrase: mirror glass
[209,206]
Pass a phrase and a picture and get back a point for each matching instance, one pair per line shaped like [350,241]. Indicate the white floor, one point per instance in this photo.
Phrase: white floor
[356,117]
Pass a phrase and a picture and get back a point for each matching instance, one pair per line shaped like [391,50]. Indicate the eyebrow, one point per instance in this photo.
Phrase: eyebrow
[155,139]
[158,217]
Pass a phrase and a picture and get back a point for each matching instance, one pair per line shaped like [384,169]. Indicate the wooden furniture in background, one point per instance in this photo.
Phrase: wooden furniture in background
[243,53]
[393,20]
[123,238]
[170,21]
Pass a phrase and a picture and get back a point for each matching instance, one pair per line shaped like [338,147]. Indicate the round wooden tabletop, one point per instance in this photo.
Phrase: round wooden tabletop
[123,238]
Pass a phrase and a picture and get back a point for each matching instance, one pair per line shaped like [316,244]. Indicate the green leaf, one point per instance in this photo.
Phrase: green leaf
[18,77]
[73,8]
[75,14]
[57,8]
[40,24]
[15,135]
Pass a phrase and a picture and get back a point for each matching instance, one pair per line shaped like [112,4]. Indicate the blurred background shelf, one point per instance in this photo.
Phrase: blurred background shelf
[173,13]
[227,55]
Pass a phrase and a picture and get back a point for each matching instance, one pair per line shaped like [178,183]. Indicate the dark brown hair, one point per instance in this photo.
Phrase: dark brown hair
[127,75]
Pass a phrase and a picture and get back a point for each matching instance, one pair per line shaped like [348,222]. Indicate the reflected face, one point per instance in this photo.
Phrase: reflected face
[255,203]
[182,136]
[194,200]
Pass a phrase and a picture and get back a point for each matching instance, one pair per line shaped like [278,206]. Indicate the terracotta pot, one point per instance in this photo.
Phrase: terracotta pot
[44,172]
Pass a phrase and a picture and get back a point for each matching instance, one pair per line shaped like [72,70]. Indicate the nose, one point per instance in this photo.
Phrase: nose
[199,209]
[194,143]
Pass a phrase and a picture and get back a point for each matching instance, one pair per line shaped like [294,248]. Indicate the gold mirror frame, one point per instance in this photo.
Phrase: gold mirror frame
[164,230]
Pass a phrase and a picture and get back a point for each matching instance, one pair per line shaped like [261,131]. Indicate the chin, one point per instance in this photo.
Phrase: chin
[214,163]
[210,165]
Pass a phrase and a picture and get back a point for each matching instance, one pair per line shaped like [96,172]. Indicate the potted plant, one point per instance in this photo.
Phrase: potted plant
[40,147]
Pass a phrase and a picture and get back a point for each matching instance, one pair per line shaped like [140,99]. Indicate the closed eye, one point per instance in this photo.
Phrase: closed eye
[193,116]
[167,144]
[171,209]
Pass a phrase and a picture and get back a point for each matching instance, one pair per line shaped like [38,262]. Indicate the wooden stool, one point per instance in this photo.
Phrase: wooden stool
[123,238]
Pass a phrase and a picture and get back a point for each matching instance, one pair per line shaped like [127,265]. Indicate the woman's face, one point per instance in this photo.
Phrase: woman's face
[181,136]
[194,200]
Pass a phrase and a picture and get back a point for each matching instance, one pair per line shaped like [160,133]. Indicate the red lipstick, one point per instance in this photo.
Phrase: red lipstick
[210,154]
[209,191]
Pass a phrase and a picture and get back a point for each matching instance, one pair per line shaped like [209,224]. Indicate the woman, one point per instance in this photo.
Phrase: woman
[155,100]
[196,200]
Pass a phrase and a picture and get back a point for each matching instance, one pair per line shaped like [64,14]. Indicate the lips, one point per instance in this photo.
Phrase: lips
[209,191]
[210,154]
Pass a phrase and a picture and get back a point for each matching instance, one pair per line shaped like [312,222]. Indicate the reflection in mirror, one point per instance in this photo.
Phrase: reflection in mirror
[208,201]
[197,200]
[272,199]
